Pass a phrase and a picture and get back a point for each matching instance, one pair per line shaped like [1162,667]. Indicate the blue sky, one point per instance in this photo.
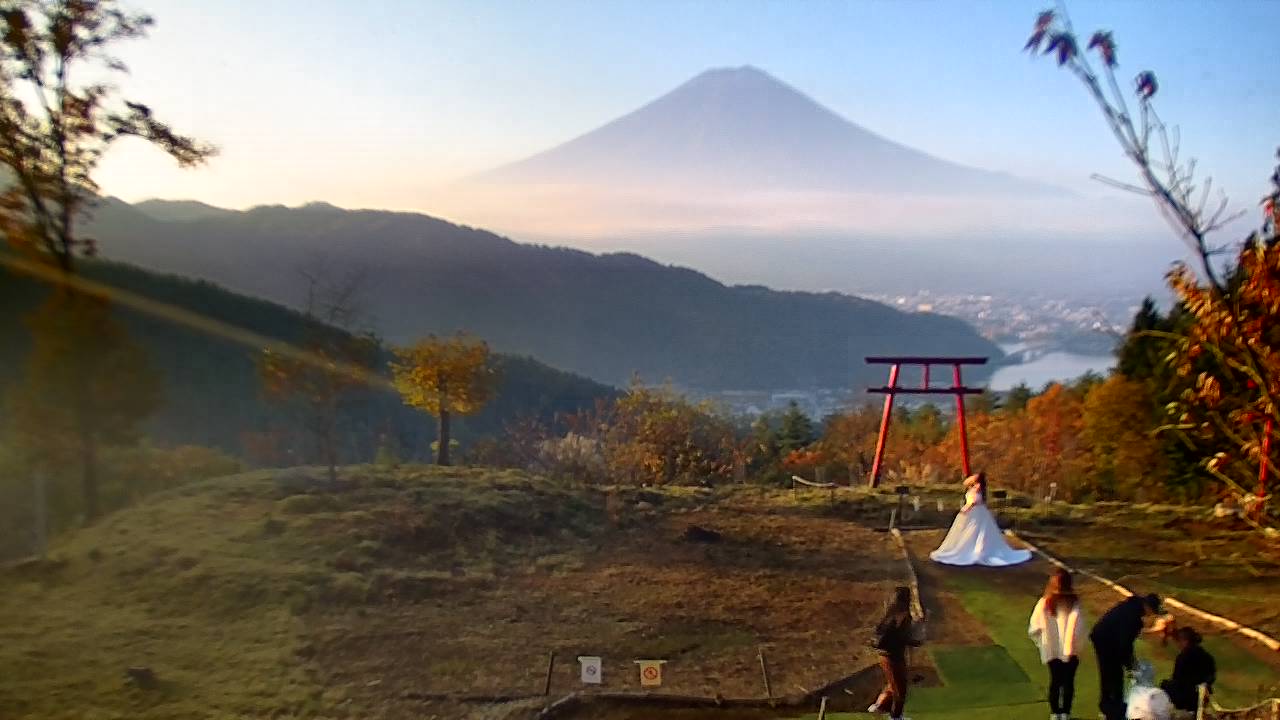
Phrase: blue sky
[370,104]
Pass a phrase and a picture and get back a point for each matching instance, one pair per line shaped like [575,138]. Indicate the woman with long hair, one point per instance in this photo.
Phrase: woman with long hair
[974,537]
[1057,628]
[894,634]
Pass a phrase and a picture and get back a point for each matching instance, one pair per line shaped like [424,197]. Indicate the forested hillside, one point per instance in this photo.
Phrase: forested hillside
[211,394]
[604,316]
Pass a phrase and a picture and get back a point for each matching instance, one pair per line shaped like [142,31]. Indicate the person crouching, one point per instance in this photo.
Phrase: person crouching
[1193,667]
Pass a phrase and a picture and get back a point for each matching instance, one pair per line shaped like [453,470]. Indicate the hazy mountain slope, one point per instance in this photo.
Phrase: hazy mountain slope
[211,391]
[603,316]
[742,128]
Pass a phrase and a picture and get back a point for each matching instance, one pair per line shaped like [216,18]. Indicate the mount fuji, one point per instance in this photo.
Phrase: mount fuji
[741,129]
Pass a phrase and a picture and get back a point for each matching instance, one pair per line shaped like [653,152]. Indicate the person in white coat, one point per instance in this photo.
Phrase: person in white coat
[1057,627]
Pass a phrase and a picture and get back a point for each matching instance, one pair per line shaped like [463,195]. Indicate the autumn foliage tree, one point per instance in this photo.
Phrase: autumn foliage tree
[1228,357]
[1227,347]
[86,384]
[1125,460]
[336,358]
[332,364]
[58,118]
[848,440]
[444,377]
[654,435]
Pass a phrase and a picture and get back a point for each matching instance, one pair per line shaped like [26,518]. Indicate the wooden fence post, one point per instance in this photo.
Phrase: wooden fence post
[764,671]
[551,664]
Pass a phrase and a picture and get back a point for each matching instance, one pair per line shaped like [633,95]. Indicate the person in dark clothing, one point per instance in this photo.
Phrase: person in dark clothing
[894,634]
[1193,667]
[1113,637]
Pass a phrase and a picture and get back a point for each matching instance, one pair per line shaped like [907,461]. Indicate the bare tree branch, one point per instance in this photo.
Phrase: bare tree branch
[1145,192]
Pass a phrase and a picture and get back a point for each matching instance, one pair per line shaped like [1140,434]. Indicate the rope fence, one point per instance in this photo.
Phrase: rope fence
[1273,704]
[913,581]
[1226,623]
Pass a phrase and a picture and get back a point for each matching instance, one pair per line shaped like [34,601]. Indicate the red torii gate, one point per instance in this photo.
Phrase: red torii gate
[889,391]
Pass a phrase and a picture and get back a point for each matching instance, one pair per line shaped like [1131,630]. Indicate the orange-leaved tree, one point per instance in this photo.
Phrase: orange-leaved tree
[849,438]
[444,377]
[1229,357]
[86,383]
[331,365]
[656,435]
[334,359]
[1226,351]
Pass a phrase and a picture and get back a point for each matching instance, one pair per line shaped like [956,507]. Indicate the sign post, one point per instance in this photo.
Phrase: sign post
[592,673]
[651,672]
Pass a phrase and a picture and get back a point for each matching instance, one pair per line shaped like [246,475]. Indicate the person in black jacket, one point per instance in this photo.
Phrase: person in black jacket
[1113,637]
[1193,667]
[894,634]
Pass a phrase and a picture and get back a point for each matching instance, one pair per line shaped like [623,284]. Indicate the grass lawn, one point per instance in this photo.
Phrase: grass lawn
[393,592]
[1005,679]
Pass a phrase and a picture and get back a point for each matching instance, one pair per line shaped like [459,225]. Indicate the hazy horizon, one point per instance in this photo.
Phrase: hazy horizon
[421,96]
[790,164]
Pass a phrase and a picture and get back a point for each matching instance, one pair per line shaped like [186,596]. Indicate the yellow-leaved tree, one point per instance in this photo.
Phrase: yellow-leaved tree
[444,377]
[1125,462]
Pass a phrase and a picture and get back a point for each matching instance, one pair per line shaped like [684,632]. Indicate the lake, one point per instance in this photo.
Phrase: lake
[1050,367]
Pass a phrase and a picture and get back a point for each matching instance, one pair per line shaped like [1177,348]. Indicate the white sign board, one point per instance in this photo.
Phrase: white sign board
[591,671]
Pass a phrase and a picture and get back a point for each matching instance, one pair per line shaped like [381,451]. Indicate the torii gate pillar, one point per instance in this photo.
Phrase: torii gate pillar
[891,390]
[1262,470]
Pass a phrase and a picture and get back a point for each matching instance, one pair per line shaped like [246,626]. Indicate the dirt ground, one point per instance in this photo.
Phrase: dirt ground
[801,585]
[442,593]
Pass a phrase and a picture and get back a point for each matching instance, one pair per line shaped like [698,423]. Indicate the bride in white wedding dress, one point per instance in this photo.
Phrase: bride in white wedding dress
[974,537]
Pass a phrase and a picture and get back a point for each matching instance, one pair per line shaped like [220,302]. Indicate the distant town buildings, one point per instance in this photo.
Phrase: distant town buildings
[1059,323]
[1025,327]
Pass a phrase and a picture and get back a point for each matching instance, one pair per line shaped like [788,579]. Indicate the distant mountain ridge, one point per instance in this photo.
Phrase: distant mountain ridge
[604,316]
[743,129]
[180,210]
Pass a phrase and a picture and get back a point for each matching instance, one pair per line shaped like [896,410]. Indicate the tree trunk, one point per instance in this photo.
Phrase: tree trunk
[89,474]
[442,442]
[442,450]
[88,450]
[331,459]
[329,442]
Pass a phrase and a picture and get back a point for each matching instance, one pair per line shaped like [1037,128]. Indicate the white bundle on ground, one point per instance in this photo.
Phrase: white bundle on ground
[1145,701]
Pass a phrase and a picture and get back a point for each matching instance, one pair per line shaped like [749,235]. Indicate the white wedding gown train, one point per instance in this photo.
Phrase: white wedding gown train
[975,539]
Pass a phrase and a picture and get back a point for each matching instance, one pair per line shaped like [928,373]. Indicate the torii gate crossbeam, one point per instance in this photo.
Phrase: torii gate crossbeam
[891,390]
